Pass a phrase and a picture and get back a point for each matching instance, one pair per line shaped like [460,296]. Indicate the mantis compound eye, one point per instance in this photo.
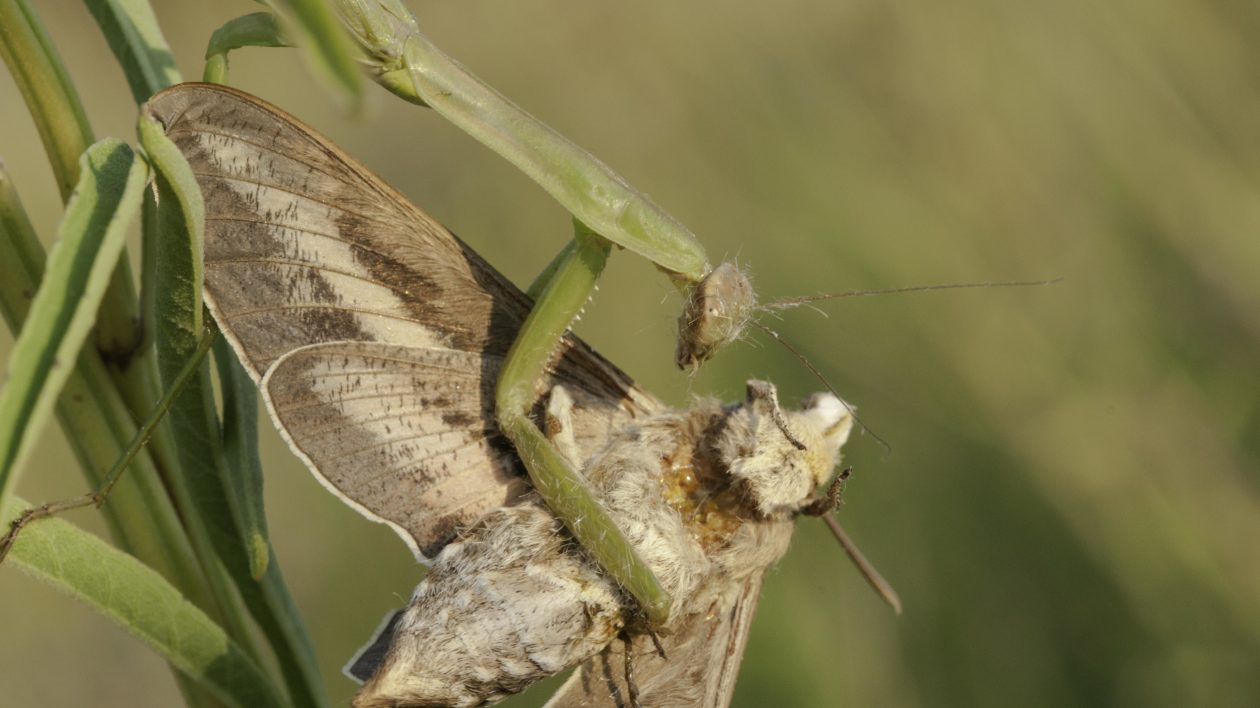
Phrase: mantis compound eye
[715,314]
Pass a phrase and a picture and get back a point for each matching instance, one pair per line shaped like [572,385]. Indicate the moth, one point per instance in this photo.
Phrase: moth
[375,336]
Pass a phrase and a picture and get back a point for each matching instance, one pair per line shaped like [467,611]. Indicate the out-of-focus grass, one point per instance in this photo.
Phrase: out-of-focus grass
[1070,507]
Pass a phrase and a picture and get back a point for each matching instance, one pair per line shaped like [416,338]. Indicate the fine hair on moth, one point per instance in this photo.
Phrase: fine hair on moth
[377,340]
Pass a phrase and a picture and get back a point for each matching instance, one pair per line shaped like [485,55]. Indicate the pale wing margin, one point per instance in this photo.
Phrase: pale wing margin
[701,662]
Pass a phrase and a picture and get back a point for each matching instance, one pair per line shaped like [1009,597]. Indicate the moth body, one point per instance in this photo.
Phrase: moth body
[513,600]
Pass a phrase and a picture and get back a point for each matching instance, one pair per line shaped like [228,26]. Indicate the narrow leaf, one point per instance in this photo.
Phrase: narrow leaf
[140,601]
[136,40]
[20,254]
[177,328]
[90,240]
[97,426]
[240,443]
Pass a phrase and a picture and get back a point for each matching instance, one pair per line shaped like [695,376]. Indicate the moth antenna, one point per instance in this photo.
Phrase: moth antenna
[822,379]
[883,587]
[776,413]
[788,303]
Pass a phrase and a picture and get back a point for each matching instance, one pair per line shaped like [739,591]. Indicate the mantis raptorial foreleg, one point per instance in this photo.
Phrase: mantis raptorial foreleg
[561,487]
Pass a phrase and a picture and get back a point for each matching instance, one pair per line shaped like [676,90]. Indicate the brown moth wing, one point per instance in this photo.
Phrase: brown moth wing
[403,433]
[701,663]
[305,246]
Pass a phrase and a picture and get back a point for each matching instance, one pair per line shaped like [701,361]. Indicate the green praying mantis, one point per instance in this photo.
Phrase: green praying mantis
[606,211]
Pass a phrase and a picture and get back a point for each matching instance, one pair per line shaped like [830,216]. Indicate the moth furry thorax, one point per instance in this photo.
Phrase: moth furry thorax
[707,495]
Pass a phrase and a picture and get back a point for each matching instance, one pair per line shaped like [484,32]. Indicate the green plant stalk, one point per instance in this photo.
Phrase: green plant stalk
[21,255]
[45,86]
[63,127]
[565,491]
[409,65]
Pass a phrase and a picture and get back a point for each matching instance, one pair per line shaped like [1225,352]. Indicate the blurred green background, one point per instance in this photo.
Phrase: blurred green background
[1070,508]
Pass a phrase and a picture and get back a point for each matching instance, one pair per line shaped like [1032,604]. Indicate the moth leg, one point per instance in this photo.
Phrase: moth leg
[656,644]
[558,425]
[829,502]
[765,394]
[632,688]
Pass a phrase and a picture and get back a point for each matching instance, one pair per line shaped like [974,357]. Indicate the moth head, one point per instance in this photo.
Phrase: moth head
[715,314]
[781,457]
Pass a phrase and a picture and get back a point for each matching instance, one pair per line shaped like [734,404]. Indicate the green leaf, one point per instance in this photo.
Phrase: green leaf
[97,426]
[136,40]
[240,443]
[90,240]
[140,601]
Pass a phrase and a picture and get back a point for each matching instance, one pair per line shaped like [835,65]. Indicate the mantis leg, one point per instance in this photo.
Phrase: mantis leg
[561,487]
[138,441]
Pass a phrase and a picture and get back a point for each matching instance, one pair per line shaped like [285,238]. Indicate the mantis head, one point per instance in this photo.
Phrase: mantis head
[717,310]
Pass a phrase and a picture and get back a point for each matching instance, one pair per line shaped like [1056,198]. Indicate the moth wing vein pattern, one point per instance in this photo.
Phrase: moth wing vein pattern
[356,263]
